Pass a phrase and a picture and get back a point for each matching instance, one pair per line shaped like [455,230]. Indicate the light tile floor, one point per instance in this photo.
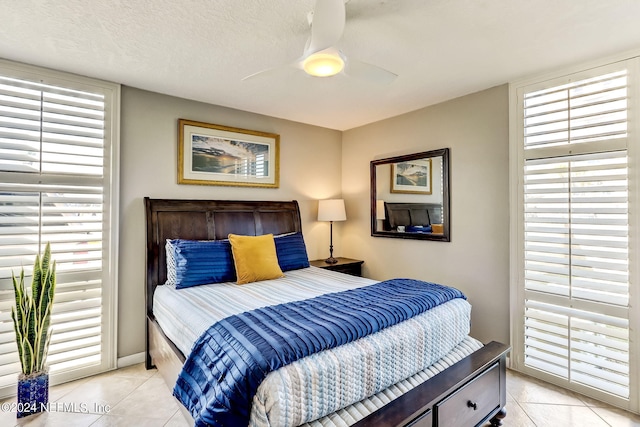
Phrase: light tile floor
[534,403]
[133,396]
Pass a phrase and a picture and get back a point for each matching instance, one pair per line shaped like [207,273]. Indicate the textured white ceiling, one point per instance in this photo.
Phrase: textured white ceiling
[201,49]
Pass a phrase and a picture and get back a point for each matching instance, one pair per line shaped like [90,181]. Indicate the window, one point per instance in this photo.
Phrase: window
[58,182]
[572,274]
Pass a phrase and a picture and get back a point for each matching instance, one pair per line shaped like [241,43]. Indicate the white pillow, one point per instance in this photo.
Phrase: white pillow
[171,263]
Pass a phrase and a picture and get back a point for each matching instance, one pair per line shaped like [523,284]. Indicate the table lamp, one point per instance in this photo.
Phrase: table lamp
[331,210]
[380,214]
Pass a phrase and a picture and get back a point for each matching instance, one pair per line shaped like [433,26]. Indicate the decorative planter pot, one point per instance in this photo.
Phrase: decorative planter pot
[33,393]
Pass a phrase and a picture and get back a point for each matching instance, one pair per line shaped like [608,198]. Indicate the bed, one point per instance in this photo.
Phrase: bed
[455,390]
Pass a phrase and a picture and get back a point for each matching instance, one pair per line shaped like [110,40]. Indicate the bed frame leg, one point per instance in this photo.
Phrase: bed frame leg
[148,362]
[497,418]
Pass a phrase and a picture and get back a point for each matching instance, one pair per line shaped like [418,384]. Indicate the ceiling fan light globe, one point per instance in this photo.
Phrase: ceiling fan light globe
[323,64]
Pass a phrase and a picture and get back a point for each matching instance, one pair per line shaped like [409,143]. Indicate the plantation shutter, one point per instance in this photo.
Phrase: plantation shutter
[576,269]
[575,275]
[56,185]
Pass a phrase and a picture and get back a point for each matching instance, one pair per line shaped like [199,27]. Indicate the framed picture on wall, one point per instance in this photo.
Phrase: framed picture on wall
[211,154]
[411,177]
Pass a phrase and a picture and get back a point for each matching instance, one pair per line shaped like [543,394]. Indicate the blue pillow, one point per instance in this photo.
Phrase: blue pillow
[199,262]
[418,228]
[291,251]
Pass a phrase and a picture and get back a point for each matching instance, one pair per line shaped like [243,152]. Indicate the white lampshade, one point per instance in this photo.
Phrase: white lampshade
[331,210]
[380,209]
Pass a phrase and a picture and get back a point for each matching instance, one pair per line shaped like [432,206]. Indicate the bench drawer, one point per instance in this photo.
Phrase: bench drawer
[469,405]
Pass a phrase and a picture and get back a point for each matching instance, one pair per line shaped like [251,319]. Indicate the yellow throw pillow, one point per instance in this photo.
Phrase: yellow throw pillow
[255,258]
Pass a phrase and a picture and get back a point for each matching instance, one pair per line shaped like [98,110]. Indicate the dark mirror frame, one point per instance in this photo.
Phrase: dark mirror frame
[446,220]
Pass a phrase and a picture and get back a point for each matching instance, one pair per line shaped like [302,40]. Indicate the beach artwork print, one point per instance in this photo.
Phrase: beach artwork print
[411,177]
[224,156]
[220,155]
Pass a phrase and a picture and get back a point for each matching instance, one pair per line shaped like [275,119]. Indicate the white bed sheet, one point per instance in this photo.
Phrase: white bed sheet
[184,314]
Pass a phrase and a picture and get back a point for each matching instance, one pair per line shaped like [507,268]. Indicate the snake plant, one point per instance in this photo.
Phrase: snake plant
[32,314]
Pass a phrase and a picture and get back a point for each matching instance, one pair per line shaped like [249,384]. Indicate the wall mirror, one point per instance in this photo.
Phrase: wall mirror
[410,196]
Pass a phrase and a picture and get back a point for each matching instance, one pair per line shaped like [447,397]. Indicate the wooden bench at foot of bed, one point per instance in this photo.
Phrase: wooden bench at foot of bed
[468,393]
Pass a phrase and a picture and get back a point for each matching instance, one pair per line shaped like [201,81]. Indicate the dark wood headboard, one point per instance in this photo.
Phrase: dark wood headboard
[411,214]
[208,220]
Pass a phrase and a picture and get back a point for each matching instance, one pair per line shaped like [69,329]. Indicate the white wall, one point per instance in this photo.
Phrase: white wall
[475,128]
[310,169]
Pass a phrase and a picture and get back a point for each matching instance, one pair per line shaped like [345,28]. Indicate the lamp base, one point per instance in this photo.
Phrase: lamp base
[331,260]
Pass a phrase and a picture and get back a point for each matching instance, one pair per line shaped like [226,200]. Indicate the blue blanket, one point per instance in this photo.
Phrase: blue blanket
[230,360]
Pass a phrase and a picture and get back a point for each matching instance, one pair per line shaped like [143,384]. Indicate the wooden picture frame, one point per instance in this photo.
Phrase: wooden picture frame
[412,177]
[210,154]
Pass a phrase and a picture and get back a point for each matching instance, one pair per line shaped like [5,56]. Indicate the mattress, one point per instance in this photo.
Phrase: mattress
[357,411]
[367,372]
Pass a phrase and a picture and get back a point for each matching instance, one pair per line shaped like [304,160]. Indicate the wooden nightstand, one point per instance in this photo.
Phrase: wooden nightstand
[344,265]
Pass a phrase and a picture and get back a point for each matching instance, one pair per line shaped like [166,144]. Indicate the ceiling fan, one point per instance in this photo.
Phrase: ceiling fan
[321,58]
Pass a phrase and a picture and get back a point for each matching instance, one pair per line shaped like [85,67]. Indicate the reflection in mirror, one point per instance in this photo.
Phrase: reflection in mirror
[410,196]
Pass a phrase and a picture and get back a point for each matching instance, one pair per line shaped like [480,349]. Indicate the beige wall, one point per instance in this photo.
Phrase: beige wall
[318,163]
[310,169]
[475,128]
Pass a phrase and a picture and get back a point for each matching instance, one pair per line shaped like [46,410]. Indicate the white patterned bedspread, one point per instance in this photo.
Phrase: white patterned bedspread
[318,385]
[354,413]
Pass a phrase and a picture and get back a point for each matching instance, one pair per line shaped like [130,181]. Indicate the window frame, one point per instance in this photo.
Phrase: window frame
[517,158]
[112,93]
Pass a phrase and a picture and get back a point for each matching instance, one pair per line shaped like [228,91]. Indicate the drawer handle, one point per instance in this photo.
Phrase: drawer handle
[473,405]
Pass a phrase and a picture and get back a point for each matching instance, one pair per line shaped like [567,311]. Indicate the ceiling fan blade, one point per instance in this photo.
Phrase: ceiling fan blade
[372,73]
[279,70]
[327,25]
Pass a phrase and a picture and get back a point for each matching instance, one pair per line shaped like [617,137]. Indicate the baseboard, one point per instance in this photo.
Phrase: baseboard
[132,359]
